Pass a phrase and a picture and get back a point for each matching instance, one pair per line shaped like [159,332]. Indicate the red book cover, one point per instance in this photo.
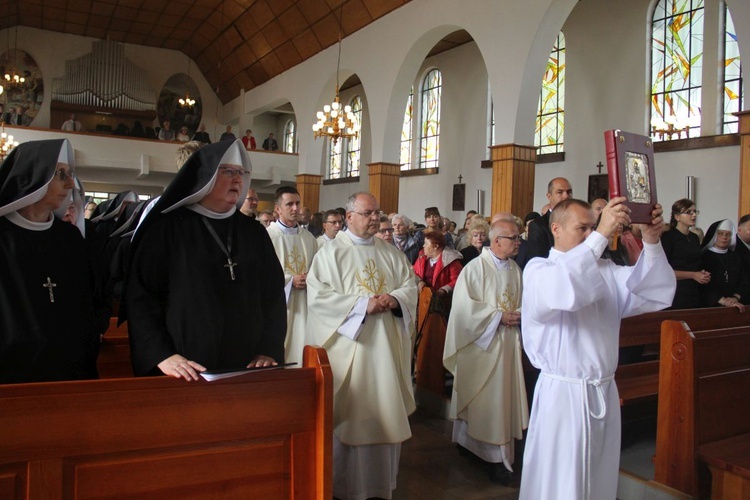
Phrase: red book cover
[630,166]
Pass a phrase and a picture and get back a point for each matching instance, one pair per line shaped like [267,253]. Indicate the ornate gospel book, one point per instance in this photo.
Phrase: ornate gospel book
[630,166]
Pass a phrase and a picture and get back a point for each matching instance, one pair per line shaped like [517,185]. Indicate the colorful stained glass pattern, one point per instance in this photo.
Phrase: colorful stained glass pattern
[290,145]
[334,159]
[354,144]
[430,125]
[677,59]
[550,118]
[406,134]
[733,97]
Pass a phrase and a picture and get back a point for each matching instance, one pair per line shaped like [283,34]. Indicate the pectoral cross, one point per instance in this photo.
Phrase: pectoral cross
[231,265]
[49,286]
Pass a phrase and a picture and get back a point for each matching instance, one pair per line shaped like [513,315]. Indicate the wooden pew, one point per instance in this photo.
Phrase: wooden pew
[639,382]
[704,383]
[114,352]
[262,435]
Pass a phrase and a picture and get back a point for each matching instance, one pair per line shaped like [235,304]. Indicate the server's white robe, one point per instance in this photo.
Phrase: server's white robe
[489,394]
[295,248]
[572,306]
[370,357]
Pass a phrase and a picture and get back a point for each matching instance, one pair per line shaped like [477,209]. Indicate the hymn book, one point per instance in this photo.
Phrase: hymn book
[630,165]
[210,376]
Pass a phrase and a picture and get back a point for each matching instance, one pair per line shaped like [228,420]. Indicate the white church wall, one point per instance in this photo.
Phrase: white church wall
[608,86]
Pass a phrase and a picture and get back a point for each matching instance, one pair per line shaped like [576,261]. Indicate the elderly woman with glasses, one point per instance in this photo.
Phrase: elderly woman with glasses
[683,250]
[205,290]
[729,286]
[48,330]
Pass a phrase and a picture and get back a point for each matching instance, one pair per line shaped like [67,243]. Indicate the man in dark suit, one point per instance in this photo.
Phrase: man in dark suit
[743,247]
[540,238]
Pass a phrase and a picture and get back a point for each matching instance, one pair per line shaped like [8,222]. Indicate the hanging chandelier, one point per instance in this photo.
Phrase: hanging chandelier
[333,121]
[7,143]
[187,102]
[13,80]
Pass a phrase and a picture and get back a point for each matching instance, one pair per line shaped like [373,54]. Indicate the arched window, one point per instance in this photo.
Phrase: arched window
[334,159]
[550,118]
[354,144]
[676,64]
[290,143]
[430,125]
[732,96]
[406,134]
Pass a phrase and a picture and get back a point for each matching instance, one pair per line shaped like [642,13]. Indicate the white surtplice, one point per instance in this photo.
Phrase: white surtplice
[295,247]
[572,306]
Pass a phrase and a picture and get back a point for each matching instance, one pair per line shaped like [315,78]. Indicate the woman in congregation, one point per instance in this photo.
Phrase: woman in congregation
[437,268]
[683,250]
[477,234]
[728,286]
[48,330]
[433,223]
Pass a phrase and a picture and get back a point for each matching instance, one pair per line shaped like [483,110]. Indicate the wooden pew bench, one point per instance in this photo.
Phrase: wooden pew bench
[704,408]
[266,434]
[639,382]
[114,352]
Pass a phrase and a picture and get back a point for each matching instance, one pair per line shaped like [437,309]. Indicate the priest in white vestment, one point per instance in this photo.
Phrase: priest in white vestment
[573,302]
[483,352]
[295,247]
[362,298]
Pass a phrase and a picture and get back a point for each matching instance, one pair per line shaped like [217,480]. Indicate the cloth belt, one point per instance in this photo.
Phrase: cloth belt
[586,411]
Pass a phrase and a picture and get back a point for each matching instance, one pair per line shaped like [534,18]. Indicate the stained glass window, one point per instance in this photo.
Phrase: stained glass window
[354,144]
[550,118]
[732,96]
[290,145]
[406,134]
[430,125]
[334,159]
[676,63]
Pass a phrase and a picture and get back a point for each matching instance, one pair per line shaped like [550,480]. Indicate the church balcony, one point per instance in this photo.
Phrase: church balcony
[113,163]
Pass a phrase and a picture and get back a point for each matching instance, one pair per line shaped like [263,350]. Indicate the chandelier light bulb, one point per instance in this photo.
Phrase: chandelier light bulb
[334,113]
[335,105]
[330,130]
[347,109]
[321,115]
[326,109]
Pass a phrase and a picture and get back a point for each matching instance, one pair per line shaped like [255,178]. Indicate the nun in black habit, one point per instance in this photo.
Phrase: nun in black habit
[205,289]
[47,326]
[728,286]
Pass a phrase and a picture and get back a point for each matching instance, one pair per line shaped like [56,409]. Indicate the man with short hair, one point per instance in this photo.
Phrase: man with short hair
[295,247]
[332,224]
[266,218]
[385,231]
[597,205]
[270,143]
[573,302]
[71,125]
[250,206]
[483,352]
[540,238]
[362,301]
[304,217]
[166,133]
[227,135]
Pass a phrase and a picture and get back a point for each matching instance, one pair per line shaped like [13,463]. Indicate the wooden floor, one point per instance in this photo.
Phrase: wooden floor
[432,469]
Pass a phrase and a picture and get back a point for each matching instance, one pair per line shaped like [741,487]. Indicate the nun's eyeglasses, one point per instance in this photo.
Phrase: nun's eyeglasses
[232,172]
[64,175]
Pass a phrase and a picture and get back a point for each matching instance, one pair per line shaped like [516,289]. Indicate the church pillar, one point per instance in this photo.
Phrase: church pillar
[308,186]
[384,184]
[512,179]
[744,202]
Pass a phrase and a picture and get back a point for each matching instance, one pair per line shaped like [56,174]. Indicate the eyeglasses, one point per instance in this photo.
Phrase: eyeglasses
[64,175]
[385,231]
[334,222]
[690,212]
[251,198]
[232,172]
[514,239]
[368,214]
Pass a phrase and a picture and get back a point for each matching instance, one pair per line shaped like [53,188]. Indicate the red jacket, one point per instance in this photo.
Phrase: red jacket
[446,271]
